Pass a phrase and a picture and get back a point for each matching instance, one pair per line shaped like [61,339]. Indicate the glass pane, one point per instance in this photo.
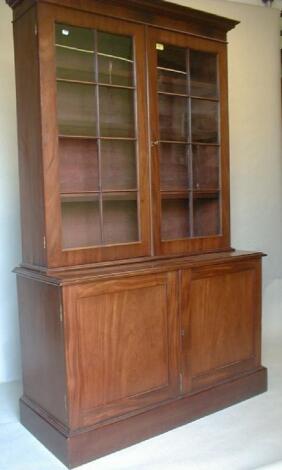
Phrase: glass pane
[115,71]
[203,72]
[78,165]
[74,37]
[172,57]
[115,45]
[76,106]
[204,121]
[116,112]
[205,167]
[172,82]
[206,216]
[120,218]
[174,166]
[173,118]
[172,75]
[118,161]
[175,218]
[80,222]
[75,65]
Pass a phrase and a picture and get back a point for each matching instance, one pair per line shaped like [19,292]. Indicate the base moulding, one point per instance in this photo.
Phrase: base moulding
[84,446]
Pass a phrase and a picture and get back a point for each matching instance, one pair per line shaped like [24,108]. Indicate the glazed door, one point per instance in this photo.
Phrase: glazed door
[220,316]
[95,137]
[189,128]
[121,346]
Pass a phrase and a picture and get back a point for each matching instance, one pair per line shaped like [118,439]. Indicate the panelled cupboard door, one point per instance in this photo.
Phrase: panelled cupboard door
[221,310]
[189,129]
[95,155]
[121,352]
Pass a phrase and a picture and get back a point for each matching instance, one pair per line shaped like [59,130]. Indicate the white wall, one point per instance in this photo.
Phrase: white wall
[256,165]
[255,143]
[9,204]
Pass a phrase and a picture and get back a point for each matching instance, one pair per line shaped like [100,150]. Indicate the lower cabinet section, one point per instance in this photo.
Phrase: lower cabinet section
[122,342]
[111,358]
[220,315]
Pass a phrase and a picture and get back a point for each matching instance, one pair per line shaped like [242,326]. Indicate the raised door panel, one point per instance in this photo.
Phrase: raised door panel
[190,151]
[95,145]
[221,323]
[121,346]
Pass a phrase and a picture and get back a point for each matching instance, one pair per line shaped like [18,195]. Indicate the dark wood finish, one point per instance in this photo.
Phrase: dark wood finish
[220,322]
[124,354]
[78,165]
[206,215]
[175,217]
[79,448]
[42,342]
[83,274]
[114,321]
[47,14]
[29,141]
[80,222]
[205,167]
[153,12]
[213,215]
[124,333]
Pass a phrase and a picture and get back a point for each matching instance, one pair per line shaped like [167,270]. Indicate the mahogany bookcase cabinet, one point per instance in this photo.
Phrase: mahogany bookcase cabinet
[136,314]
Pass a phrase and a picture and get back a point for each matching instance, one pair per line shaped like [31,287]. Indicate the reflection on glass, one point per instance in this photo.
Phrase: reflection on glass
[174,166]
[97,166]
[116,112]
[175,218]
[115,72]
[203,73]
[118,161]
[78,165]
[76,105]
[115,45]
[172,76]
[171,57]
[204,120]
[74,37]
[173,117]
[120,218]
[75,65]
[80,222]
[206,216]
[205,167]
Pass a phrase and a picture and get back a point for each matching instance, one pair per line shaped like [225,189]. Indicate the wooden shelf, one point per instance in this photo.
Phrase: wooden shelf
[100,84]
[181,194]
[90,137]
[168,93]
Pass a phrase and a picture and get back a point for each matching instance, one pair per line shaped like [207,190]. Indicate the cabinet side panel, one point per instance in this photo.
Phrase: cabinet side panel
[42,342]
[29,139]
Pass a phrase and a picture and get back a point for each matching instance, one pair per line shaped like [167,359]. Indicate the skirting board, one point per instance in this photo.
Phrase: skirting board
[83,446]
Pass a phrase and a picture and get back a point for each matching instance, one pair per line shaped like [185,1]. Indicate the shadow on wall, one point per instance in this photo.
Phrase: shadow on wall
[272,313]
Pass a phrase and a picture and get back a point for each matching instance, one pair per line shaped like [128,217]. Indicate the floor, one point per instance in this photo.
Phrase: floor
[244,436]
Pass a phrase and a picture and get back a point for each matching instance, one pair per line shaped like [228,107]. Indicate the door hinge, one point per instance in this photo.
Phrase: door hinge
[181,382]
[35,29]
[44,242]
[182,332]
[61,313]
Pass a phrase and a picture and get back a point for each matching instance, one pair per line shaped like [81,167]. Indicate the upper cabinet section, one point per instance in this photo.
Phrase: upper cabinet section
[127,137]
[99,165]
[96,114]
[190,143]
[151,12]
